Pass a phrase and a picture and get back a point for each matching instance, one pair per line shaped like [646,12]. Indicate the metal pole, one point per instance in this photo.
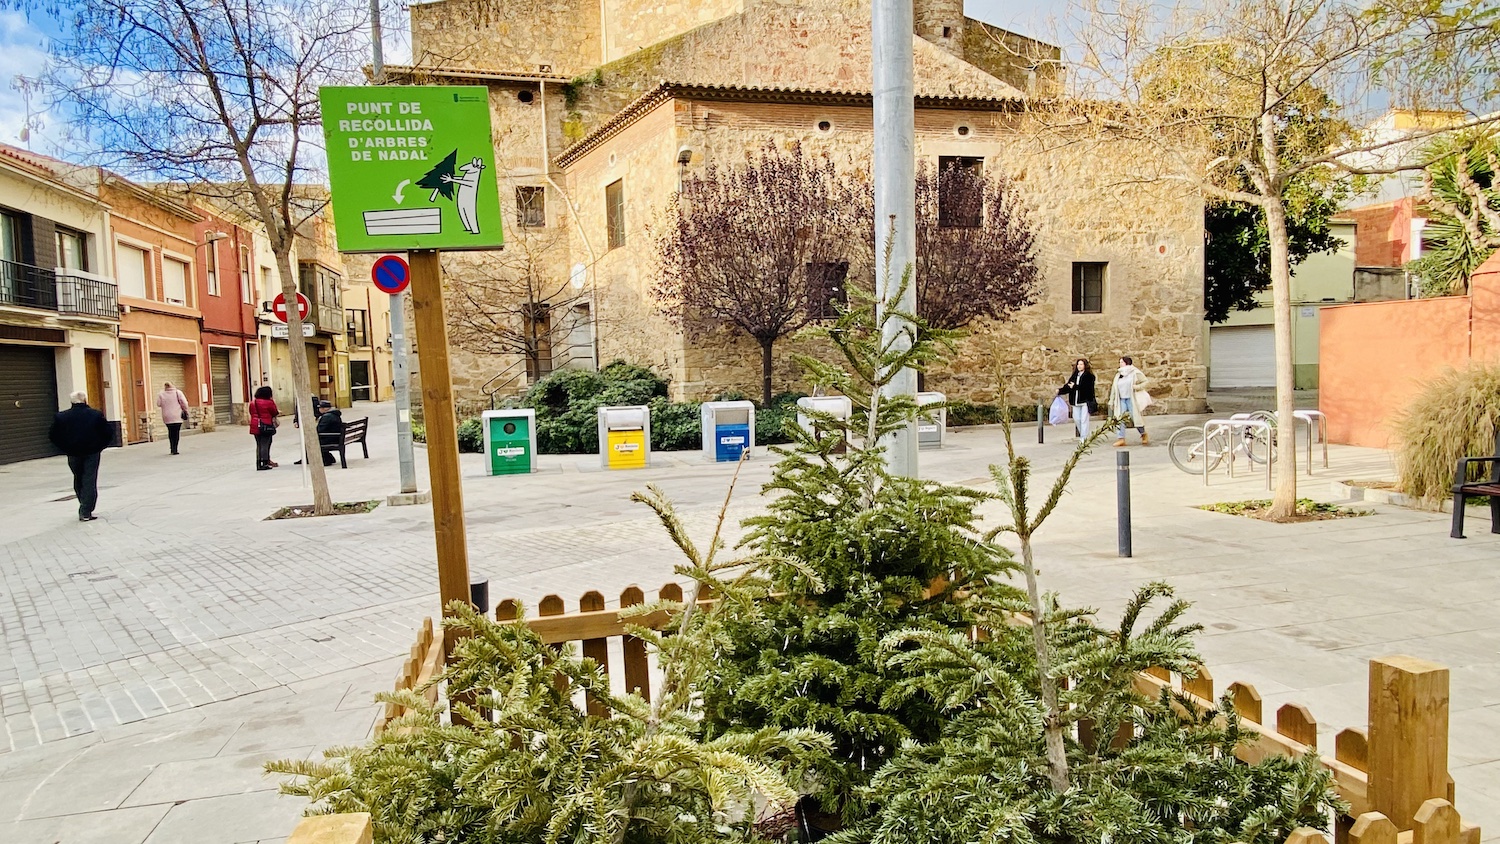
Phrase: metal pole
[1041,434]
[403,394]
[399,363]
[895,200]
[1122,500]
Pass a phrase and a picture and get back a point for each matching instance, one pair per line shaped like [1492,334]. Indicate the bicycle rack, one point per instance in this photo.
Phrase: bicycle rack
[1317,430]
[1235,426]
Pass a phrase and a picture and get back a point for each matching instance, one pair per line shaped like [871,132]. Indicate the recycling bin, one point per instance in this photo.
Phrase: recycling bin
[839,407]
[625,437]
[509,441]
[932,425]
[728,429]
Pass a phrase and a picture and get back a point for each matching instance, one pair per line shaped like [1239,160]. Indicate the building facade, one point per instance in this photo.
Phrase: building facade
[227,298]
[599,110]
[59,310]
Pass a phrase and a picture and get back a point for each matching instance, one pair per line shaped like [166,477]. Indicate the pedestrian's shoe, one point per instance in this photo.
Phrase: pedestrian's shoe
[1120,442]
[89,518]
[273,464]
[1145,439]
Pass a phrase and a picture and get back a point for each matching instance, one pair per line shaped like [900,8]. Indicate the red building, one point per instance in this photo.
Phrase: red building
[227,297]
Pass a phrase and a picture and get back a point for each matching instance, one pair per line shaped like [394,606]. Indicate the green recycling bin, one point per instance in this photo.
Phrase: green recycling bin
[509,441]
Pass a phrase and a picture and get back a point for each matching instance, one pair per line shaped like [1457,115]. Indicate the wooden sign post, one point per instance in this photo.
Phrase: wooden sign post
[442,428]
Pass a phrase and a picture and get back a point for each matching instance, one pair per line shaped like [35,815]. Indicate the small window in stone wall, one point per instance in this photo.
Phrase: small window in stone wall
[827,289]
[614,212]
[525,97]
[531,207]
[825,126]
[1088,286]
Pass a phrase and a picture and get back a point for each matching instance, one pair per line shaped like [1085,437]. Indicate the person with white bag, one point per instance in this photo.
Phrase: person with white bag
[1078,390]
[1128,397]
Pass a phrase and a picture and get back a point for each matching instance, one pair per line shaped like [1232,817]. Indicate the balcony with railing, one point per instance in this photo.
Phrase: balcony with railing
[82,294]
[68,293]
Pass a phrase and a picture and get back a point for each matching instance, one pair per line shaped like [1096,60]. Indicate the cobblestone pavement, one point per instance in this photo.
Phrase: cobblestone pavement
[153,659]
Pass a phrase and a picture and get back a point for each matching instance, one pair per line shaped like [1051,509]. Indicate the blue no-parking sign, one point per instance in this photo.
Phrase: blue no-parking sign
[391,274]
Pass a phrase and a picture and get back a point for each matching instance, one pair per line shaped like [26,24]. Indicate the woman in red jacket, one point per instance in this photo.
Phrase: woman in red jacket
[263,415]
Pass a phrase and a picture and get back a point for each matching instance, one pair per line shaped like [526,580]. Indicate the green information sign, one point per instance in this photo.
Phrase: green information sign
[412,167]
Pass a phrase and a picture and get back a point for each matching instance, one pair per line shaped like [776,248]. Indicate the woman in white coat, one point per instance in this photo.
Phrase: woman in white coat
[1128,397]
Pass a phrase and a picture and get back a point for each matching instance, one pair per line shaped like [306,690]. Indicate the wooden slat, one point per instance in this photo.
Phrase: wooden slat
[1159,673]
[1306,835]
[1352,748]
[596,649]
[507,610]
[1373,828]
[1296,723]
[1246,701]
[552,605]
[637,668]
[432,666]
[353,828]
[1201,685]
[670,592]
[1436,822]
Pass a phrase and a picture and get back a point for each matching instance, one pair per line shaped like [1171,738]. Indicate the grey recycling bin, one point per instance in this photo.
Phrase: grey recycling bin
[839,407]
[932,425]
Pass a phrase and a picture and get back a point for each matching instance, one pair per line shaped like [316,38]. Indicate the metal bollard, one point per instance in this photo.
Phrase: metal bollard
[1041,415]
[479,595]
[1122,500]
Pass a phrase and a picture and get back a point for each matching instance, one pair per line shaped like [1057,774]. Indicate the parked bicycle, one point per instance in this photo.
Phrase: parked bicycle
[1191,450]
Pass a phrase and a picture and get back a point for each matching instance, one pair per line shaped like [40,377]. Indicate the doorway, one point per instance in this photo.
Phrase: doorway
[359,380]
[131,382]
[93,369]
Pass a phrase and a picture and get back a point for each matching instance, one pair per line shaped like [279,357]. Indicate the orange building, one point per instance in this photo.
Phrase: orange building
[155,251]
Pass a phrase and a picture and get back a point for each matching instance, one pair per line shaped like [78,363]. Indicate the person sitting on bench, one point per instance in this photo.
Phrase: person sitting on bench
[330,431]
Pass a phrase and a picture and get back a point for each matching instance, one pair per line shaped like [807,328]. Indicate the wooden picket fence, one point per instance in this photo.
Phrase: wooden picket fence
[1393,774]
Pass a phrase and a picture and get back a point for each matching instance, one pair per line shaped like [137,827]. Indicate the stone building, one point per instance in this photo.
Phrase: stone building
[600,108]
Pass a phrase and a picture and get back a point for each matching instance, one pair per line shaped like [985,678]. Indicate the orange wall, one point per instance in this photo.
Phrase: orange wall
[1376,356]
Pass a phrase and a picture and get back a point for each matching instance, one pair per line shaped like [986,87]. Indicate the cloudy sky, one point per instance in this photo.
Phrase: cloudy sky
[23,46]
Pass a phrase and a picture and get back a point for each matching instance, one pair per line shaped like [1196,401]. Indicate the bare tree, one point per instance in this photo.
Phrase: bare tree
[762,246]
[517,302]
[222,97]
[1218,95]
[976,246]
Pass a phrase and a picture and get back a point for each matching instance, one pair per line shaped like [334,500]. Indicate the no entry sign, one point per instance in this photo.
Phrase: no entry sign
[391,274]
[278,306]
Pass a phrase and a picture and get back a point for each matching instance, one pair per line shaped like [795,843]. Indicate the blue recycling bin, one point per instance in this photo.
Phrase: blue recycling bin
[728,430]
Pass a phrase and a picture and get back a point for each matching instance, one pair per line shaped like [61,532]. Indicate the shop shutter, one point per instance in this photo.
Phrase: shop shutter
[1241,356]
[218,370]
[28,402]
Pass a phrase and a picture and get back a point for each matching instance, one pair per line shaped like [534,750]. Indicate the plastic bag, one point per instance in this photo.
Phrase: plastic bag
[1060,411]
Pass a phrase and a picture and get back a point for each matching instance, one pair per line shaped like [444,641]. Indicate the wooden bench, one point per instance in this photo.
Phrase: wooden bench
[1463,487]
[354,432]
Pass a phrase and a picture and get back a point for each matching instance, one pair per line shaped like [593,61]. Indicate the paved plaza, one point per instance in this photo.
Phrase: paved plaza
[152,660]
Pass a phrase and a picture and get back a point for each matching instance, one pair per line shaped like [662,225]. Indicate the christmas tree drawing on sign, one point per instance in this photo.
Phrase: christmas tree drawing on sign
[447,179]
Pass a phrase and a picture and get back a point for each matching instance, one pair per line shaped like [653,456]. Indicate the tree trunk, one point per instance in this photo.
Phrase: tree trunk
[1284,502]
[312,454]
[1052,720]
[765,372]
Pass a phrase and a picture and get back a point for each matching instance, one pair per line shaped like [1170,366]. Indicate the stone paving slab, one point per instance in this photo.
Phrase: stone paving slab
[181,639]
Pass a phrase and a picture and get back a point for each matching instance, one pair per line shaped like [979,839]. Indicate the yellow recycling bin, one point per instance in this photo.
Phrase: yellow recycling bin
[625,437]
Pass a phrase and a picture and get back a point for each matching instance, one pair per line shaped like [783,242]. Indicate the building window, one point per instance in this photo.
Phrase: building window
[359,327]
[1088,287]
[614,213]
[174,276]
[826,289]
[130,271]
[265,283]
[247,289]
[531,207]
[72,251]
[960,191]
[211,265]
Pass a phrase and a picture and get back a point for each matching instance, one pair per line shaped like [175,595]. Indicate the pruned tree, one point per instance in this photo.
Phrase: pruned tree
[517,302]
[1221,96]
[761,246]
[976,246]
[220,97]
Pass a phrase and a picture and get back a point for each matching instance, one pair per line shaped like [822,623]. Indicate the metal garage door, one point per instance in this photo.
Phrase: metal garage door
[218,373]
[1241,356]
[165,368]
[28,401]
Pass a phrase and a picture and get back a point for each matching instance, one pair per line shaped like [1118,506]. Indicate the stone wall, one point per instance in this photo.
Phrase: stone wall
[517,35]
[1149,237]
[630,25]
[1032,66]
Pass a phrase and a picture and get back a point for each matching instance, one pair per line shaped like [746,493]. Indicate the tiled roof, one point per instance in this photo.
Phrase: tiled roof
[418,71]
[665,90]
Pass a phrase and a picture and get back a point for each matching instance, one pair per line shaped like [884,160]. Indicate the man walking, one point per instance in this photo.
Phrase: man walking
[82,433]
[174,411]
